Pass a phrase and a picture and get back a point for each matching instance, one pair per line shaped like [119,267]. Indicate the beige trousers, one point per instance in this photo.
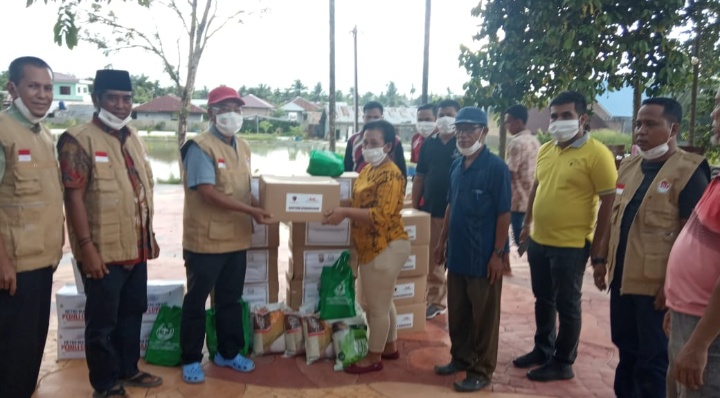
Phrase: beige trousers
[436,279]
[376,285]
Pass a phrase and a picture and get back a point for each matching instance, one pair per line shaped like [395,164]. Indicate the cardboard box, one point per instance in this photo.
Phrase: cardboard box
[417,226]
[418,263]
[407,204]
[410,318]
[262,265]
[316,234]
[71,304]
[71,341]
[410,290]
[261,294]
[346,181]
[266,235]
[299,199]
[307,262]
[301,292]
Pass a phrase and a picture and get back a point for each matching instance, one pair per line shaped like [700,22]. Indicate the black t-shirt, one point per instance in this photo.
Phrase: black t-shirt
[434,164]
[689,197]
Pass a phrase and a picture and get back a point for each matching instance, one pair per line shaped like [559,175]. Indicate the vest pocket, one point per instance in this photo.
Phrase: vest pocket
[28,239]
[27,181]
[223,182]
[105,178]
[655,265]
[221,229]
[662,218]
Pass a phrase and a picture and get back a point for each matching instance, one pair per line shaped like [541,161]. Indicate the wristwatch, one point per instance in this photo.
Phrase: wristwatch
[598,260]
[499,252]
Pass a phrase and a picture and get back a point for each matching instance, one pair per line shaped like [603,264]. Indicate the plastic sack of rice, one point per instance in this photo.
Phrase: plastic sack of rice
[269,329]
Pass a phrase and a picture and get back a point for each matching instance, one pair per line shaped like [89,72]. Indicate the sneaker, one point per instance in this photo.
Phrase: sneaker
[533,358]
[434,310]
[552,371]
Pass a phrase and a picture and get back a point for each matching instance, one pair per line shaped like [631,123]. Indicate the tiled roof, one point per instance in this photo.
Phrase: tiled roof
[251,101]
[64,78]
[166,103]
[306,105]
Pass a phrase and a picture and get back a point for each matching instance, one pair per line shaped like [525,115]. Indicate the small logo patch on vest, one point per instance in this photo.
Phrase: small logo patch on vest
[101,157]
[663,186]
[619,189]
[24,155]
[221,163]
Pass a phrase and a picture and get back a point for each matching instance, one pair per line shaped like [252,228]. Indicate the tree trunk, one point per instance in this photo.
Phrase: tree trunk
[694,90]
[637,96]
[503,139]
[331,94]
[426,53]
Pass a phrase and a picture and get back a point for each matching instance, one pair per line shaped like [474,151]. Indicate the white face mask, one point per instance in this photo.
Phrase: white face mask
[20,105]
[425,128]
[374,156]
[446,125]
[654,153]
[113,121]
[469,151]
[229,123]
[564,130]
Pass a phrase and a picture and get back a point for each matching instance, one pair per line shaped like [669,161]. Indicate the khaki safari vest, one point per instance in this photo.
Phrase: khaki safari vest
[208,228]
[110,197]
[31,197]
[656,225]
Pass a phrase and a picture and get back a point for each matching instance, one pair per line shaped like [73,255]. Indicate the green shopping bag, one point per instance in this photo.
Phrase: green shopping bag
[211,330]
[337,290]
[164,345]
[325,164]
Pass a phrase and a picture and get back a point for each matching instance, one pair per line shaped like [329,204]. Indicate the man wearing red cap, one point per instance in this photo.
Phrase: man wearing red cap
[217,230]
[109,205]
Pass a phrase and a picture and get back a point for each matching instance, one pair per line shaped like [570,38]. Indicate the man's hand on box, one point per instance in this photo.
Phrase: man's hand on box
[334,216]
[261,216]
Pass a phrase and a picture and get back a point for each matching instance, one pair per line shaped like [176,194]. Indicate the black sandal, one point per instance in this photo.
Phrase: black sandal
[142,380]
[118,391]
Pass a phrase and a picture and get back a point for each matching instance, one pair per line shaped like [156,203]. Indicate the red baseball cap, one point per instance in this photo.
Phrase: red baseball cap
[223,93]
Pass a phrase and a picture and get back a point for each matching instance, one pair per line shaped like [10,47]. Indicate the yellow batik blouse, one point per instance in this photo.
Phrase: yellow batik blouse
[381,190]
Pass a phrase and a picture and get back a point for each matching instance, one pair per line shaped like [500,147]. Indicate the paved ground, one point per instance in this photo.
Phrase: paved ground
[410,376]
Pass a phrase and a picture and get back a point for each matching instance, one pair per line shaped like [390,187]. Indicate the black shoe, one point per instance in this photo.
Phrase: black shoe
[471,384]
[552,371]
[450,369]
[534,358]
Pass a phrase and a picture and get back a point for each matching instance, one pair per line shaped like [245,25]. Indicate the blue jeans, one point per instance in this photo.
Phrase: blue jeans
[556,277]
[516,221]
[637,331]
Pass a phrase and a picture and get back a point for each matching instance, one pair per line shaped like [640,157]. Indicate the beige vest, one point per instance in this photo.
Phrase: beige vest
[31,198]
[210,229]
[656,224]
[110,198]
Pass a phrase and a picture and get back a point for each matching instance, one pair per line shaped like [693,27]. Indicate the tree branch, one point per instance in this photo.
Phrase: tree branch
[174,7]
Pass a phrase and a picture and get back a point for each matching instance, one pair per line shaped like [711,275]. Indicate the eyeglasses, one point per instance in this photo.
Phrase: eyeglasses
[466,130]
[220,111]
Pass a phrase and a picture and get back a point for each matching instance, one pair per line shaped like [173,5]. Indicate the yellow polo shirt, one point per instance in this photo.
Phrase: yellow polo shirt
[569,182]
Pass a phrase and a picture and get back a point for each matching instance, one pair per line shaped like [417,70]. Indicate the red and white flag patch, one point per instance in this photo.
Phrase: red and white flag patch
[24,155]
[221,163]
[619,189]
[101,157]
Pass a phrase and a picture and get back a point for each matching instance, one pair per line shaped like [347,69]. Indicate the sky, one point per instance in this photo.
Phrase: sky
[278,42]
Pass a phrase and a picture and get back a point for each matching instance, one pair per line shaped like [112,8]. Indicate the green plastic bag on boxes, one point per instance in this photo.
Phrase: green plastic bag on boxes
[164,345]
[337,290]
[325,164]
[211,330]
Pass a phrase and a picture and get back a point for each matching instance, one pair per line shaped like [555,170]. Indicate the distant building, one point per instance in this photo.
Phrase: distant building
[305,112]
[166,109]
[68,88]
[403,118]
[254,106]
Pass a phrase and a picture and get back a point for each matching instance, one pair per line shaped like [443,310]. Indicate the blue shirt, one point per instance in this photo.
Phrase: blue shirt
[199,166]
[477,196]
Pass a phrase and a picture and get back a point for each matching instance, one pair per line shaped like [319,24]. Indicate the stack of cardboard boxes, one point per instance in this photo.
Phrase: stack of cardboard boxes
[261,278]
[411,284]
[71,315]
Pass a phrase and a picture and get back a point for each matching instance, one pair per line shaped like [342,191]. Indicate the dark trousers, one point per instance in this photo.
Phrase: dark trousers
[556,275]
[226,274]
[637,331]
[24,320]
[516,221]
[474,322]
[113,316]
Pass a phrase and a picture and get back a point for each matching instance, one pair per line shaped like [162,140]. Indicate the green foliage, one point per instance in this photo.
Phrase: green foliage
[3,80]
[65,124]
[265,126]
[170,180]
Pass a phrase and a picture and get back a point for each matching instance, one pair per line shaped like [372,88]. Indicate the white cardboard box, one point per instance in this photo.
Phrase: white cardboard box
[71,304]
[316,234]
[256,294]
[307,263]
[71,341]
